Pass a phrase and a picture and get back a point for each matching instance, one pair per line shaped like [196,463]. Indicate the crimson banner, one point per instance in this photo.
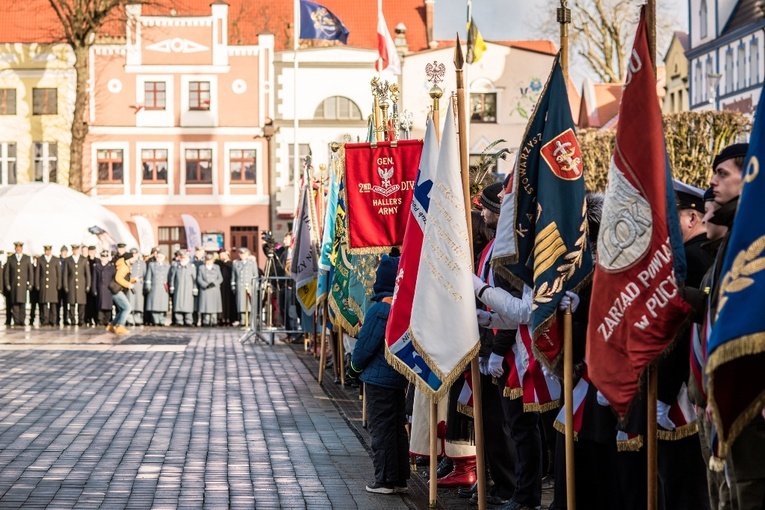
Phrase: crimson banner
[379,182]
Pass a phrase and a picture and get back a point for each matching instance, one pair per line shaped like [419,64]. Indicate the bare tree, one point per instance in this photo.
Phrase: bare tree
[601,33]
[81,21]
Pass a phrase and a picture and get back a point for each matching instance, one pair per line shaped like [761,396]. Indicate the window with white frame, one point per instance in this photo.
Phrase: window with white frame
[703,19]
[483,107]
[698,92]
[45,161]
[337,108]
[242,166]
[110,164]
[304,149]
[705,84]
[741,83]
[754,62]
[155,95]
[199,166]
[44,101]
[199,95]
[154,166]
[7,101]
[729,71]
[8,162]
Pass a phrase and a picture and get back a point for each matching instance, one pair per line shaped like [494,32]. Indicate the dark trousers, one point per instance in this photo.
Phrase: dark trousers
[104,317]
[632,469]
[683,474]
[48,314]
[747,456]
[19,313]
[77,314]
[501,457]
[524,431]
[386,414]
[596,481]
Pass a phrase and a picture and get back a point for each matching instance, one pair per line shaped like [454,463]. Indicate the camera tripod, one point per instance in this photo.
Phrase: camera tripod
[267,291]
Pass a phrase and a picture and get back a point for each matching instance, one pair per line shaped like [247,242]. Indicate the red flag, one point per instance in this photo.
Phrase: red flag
[389,60]
[638,309]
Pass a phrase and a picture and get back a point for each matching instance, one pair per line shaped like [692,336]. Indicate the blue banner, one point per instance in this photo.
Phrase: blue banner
[318,22]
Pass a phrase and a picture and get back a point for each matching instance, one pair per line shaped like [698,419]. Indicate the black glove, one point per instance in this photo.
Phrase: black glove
[210,285]
[351,372]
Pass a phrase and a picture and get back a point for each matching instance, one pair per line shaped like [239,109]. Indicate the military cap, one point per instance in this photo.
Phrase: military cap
[709,194]
[75,246]
[133,250]
[737,150]
[121,245]
[47,247]
[91,247]
[688,197]
[18,243]
[105,253]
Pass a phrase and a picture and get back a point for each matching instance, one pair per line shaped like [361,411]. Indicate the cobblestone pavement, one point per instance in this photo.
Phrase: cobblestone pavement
[172,418]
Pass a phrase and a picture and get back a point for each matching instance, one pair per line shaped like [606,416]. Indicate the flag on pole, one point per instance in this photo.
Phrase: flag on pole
[736,346]
[636,309]
[542,237]
[193,233]
[318,22]
[443,327]
[400,352]
[339,294]
[304,264]
[328,232]
[389,60]
[145,234]
[475,43]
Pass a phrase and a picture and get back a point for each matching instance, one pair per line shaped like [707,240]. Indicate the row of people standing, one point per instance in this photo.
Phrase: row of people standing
[208,289]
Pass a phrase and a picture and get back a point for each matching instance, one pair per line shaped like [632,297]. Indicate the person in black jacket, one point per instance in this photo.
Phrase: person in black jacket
[103,274]
[385,388]
[48,283]
[18,275]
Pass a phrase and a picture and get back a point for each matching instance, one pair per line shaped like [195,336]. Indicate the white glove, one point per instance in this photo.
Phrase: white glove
[571,298]
[478,284]
[195,292]
[602,400]
[483,366]
[495,365]
[484,317]
[662,415]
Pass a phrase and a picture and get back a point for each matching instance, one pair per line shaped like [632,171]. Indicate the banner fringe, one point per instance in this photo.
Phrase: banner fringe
[512,393]
[465,409]
[630,445]
[534,407]
[682,432]
[414,378]
[561,427]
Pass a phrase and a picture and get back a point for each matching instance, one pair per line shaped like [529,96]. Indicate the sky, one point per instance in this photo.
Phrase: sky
[512,19]
[520,19]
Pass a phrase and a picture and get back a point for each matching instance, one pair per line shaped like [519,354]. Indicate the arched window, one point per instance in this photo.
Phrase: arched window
[698,84]
[754,62]
[337,108]
[703,19]
[741,67]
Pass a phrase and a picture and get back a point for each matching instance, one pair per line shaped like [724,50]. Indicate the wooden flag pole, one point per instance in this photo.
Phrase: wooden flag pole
[341,354]
[323,346]
[568,402]
[653,374]
[480,466]
[564,18]
[433,480]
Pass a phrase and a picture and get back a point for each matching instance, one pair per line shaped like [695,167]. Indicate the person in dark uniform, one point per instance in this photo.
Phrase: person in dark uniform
[121,249]
[48,284]
[103,274]
[226,269]
[5,294]
[19,278]
[91,306]
[63,300]
[76,285]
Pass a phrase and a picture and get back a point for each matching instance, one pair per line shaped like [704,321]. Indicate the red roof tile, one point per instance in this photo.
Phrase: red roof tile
[35,21]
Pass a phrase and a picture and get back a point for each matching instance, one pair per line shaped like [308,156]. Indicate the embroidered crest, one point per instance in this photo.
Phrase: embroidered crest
[563,156]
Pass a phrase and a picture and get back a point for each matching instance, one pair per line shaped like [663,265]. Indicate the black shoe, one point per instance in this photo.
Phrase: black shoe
[467,492]
[514,505]
[380,488]
[491,499]
[445,467]
[400,487]
[422,460]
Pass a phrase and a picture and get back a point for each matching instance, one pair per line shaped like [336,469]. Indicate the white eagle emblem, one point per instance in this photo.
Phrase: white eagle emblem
[385,175]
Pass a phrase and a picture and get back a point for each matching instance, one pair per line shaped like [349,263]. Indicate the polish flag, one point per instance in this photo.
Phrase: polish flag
[389,61]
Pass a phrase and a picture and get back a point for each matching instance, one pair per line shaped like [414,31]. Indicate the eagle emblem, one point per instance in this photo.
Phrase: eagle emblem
[385,174]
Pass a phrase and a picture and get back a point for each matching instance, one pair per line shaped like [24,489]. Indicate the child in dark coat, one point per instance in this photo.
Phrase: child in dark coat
[385,389]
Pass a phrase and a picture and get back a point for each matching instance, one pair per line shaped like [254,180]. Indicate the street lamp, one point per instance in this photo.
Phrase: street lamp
[713,79]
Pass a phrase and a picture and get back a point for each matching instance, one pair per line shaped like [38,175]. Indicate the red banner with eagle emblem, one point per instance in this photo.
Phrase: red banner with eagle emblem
[379,182]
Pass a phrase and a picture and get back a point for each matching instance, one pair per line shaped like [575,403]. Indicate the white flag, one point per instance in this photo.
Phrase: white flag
[193,233]
[304,266]
[145,234]
[444,328]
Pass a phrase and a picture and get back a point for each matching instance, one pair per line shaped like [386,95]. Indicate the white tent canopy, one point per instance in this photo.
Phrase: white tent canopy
[39,213]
